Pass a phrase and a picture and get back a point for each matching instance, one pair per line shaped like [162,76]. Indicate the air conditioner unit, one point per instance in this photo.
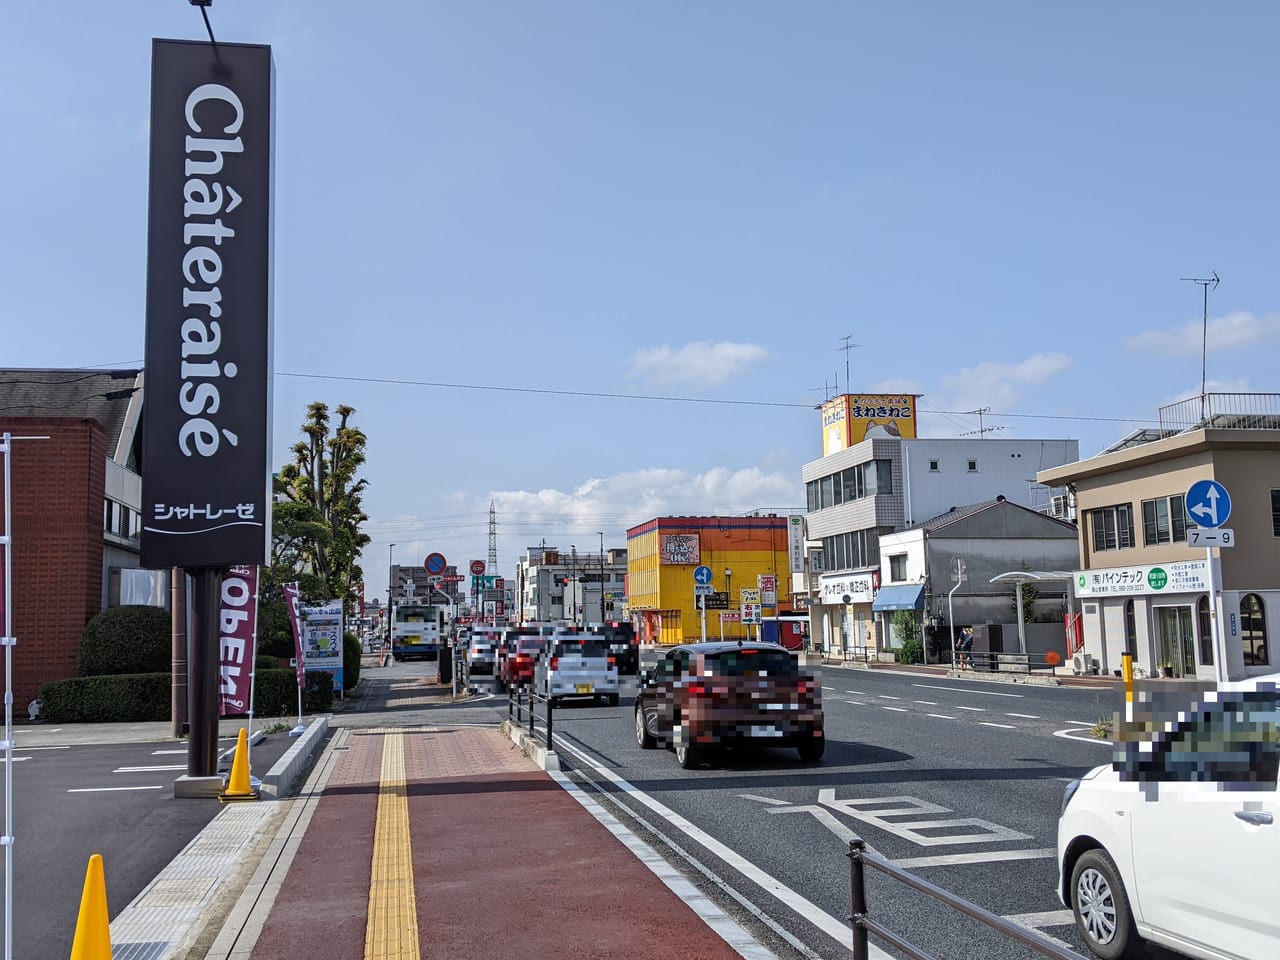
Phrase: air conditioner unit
[1062,507]
[1084,663]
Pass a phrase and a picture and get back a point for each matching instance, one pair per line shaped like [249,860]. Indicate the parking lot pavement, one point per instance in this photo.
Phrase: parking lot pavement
[387,863]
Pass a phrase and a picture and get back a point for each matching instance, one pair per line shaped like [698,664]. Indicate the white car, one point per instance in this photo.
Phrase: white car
[1178,841]
[576,665]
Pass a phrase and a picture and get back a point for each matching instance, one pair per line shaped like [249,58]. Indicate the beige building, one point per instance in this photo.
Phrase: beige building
[1142,584]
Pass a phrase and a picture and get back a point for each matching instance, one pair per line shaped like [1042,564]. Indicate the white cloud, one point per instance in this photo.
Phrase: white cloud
[1237,385]
[1000,386]
[1238,329]
[698,362]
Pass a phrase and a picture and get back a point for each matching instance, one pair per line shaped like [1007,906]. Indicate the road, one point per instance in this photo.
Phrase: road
[115,799]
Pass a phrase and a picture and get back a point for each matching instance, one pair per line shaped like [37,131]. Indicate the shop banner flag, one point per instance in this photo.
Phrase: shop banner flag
[291,601]
[237,639]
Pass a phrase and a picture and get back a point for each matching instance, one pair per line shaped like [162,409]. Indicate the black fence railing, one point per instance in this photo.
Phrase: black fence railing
[520,701]
[864,925]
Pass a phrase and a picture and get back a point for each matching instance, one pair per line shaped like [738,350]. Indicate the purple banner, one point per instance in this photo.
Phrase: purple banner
[291,600]
[237,628]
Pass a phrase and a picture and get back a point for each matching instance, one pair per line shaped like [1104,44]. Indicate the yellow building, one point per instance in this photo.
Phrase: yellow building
[738,553]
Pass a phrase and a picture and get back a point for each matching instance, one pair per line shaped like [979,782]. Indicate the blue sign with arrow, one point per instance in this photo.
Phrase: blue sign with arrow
[1207,503]
[702,574]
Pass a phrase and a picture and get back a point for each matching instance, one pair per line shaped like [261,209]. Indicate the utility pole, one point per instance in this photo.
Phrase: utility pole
[602,616]
[1206,283]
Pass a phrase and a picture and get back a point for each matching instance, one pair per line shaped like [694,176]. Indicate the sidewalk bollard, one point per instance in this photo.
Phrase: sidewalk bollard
[550,748]
[858,897]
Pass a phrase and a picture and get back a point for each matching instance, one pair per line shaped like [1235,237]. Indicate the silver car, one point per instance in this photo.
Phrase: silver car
[577,665]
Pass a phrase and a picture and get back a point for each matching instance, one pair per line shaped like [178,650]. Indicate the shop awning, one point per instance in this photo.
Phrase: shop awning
[904,597]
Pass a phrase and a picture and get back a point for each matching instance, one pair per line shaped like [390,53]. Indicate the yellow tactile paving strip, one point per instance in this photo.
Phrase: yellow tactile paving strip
[392,929]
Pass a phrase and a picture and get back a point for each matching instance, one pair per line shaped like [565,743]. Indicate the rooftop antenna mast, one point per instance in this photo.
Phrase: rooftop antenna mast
[826,389]
[1206,282]
[848,345]
[982,430]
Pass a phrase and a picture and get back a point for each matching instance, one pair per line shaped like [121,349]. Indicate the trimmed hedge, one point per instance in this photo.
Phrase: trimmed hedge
[144,697]
[126,640]
[122,698]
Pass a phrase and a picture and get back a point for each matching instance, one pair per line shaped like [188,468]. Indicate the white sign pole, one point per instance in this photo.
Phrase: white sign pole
[702,603]
[1215,624]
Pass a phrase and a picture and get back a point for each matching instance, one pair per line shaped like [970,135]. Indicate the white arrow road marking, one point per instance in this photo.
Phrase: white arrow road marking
[757,799]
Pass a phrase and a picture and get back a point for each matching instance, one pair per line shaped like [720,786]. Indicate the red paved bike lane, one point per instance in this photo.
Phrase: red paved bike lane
[505,863]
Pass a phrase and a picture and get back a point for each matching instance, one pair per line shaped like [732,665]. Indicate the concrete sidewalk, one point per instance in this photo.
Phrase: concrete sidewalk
[435,841]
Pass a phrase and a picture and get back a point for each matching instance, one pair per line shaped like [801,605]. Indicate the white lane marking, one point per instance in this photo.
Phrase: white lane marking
[856,693]
[974,709]
[885,696]
[835,929]
[986,856]
[1072,735]
[1054,918]
[1080,723]
[985,693]
[856,703]
[927,703]
[1002,726]
[163,753]
[109,789]
[1024,716]
[940,716]
[159,769]
[897,709]
[15,759]
[729,930]
[25,749]
[752,796]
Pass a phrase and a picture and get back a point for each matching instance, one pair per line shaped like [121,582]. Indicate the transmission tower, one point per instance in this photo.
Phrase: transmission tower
[493,539]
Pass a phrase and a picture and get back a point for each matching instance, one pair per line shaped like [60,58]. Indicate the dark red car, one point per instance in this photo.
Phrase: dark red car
[516,667]
[706,695]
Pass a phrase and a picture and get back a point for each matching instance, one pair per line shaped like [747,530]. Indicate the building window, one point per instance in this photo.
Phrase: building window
[1253,631]
[1164,521]
[862,480]
[1112,527]
[898,568]
[1275,513]
[973,466]
[933,466]
[849,551]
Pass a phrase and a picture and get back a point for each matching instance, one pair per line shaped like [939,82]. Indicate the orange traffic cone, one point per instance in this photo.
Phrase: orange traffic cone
[238,785]
[93,926]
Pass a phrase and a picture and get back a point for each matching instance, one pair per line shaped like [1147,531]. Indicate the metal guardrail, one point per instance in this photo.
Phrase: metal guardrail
[863,925]
[517,697]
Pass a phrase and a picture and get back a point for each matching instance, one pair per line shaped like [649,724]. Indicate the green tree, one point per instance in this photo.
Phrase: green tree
[319,534]
[907,626]
[1030,594]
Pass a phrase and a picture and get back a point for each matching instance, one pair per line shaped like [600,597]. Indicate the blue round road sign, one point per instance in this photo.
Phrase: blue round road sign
[702,574]
[1207,503]
[435,563]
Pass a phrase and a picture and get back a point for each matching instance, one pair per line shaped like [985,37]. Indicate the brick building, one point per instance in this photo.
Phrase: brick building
[74,499]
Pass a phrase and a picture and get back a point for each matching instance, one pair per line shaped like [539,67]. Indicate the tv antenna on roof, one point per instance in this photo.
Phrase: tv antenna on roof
[848,345]
[826,389]
[982,430]
[1211,281]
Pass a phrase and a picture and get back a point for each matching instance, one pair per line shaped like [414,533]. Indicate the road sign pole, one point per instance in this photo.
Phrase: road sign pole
[1215,622]
[702,602]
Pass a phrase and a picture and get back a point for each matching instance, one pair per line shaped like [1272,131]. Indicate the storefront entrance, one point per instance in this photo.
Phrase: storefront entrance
[1176,640]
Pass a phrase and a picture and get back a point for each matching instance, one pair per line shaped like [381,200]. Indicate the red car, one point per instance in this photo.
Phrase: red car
[517,665]
[703,696]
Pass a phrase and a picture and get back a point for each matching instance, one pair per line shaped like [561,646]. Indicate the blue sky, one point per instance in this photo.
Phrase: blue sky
[996,201]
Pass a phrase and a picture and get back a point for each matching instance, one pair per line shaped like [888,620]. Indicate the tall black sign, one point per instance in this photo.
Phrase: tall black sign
[207,433]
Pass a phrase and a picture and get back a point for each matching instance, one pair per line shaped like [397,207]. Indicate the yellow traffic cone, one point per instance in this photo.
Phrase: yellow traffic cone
[93,927]
[238,786]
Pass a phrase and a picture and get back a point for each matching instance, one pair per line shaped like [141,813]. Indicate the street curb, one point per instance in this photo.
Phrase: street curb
[547,760]
[280,778]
